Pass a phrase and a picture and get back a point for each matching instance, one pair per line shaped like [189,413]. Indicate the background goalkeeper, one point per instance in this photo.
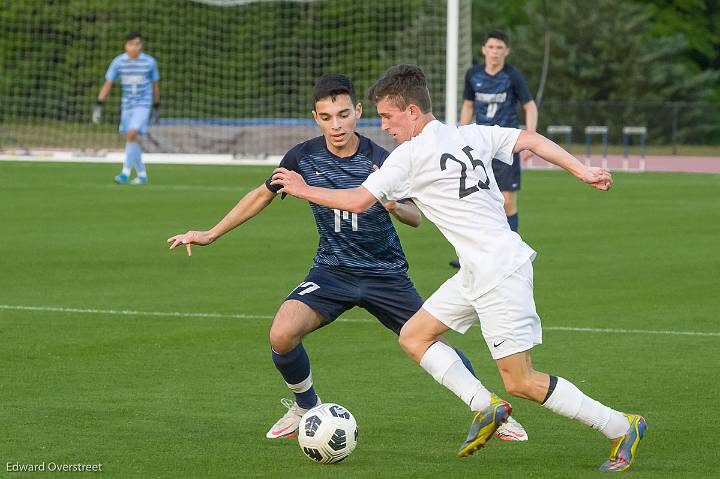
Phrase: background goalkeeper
[139,79]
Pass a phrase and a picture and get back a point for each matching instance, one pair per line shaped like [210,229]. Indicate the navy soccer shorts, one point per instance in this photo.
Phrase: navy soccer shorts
[391,298]
[507,176]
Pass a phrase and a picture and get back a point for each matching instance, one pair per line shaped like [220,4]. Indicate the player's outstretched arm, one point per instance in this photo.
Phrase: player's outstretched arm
[598,178]
[354,200]
[250,205]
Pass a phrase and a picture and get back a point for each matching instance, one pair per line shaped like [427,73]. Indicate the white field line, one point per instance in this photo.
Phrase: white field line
[177,314]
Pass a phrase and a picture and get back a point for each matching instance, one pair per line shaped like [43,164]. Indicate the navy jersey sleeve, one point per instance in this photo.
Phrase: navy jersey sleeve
[520,86]
[289,161]
[468,93]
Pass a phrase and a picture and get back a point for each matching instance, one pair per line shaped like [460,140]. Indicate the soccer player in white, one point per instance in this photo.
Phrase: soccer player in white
[447,172]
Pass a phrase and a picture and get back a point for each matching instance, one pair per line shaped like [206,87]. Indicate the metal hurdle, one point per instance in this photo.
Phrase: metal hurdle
[629,131]
[596,130]
[566,130]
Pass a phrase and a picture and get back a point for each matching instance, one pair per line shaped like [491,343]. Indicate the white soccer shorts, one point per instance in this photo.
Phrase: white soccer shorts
[507,315]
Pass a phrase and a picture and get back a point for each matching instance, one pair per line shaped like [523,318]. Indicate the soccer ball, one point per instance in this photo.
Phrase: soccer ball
[328,433]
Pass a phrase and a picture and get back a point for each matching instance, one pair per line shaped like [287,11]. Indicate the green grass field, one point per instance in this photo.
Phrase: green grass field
[116,351]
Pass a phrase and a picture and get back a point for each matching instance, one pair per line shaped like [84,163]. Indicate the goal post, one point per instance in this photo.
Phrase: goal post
[451,61]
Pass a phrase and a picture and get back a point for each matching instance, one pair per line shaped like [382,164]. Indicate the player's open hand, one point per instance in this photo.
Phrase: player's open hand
[201,238]
[598,178]
[292,183]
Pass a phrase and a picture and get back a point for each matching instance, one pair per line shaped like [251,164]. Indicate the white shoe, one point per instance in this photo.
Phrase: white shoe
[139,180]
[287,426]
[511,431]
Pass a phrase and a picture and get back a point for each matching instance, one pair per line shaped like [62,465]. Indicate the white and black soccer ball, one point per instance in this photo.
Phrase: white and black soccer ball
[328,433]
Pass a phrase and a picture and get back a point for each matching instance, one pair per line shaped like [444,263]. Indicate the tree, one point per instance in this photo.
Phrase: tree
[611,52]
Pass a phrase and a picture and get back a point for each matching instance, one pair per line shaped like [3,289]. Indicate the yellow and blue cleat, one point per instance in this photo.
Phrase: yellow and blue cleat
[484,425]
[624,448]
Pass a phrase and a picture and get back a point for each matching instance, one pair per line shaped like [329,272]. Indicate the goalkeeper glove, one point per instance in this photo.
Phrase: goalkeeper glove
[97,112]
[155,113]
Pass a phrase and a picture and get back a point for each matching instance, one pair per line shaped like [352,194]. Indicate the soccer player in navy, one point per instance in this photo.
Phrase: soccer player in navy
[359,261]
[492,92]
[139,79]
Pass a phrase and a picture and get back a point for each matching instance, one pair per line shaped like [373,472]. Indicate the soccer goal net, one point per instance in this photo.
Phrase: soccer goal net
[236,76]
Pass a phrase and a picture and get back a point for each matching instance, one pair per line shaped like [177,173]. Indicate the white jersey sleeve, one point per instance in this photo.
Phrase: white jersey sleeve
[392,181]
[501,140]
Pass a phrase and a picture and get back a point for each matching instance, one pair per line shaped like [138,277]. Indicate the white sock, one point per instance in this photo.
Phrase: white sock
[302,386]
[567,400]
[444,364]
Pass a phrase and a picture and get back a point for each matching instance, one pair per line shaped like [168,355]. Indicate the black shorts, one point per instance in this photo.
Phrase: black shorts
[391,298]
[507,176]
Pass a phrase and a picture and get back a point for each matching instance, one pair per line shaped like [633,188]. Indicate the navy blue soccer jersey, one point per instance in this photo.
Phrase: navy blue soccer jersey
[357,241]
[495,97]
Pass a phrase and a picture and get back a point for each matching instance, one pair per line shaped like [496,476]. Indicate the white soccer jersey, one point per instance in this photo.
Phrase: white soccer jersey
[447,172]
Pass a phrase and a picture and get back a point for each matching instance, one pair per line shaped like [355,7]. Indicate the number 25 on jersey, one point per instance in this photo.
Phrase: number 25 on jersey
[463,191]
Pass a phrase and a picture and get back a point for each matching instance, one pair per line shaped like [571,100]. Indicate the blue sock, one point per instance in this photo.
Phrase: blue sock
[465,361]
[135,152]
[295,369]
[514,222]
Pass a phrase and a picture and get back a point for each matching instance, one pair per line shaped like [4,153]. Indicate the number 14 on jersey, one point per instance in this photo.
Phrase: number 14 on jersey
[345,215]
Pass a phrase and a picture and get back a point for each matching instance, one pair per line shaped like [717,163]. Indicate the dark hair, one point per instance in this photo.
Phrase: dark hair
[402,85]
[332,86]
[498,35]
[133,36]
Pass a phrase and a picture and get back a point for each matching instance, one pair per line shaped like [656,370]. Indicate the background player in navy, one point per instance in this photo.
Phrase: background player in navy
[359,261]
[139,79]
[492,92]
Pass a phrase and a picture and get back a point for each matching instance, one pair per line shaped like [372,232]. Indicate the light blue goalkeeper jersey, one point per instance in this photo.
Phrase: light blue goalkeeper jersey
[136,77]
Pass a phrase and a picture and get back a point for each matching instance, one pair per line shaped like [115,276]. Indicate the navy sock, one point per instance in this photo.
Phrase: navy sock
[295,369]
[514,222]
[551,388]
[465,361]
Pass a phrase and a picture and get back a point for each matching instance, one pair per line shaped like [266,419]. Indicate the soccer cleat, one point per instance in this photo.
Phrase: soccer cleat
[121,179]
[511,431]
[139,180]
[287,426]
[484,425]
[623,448]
